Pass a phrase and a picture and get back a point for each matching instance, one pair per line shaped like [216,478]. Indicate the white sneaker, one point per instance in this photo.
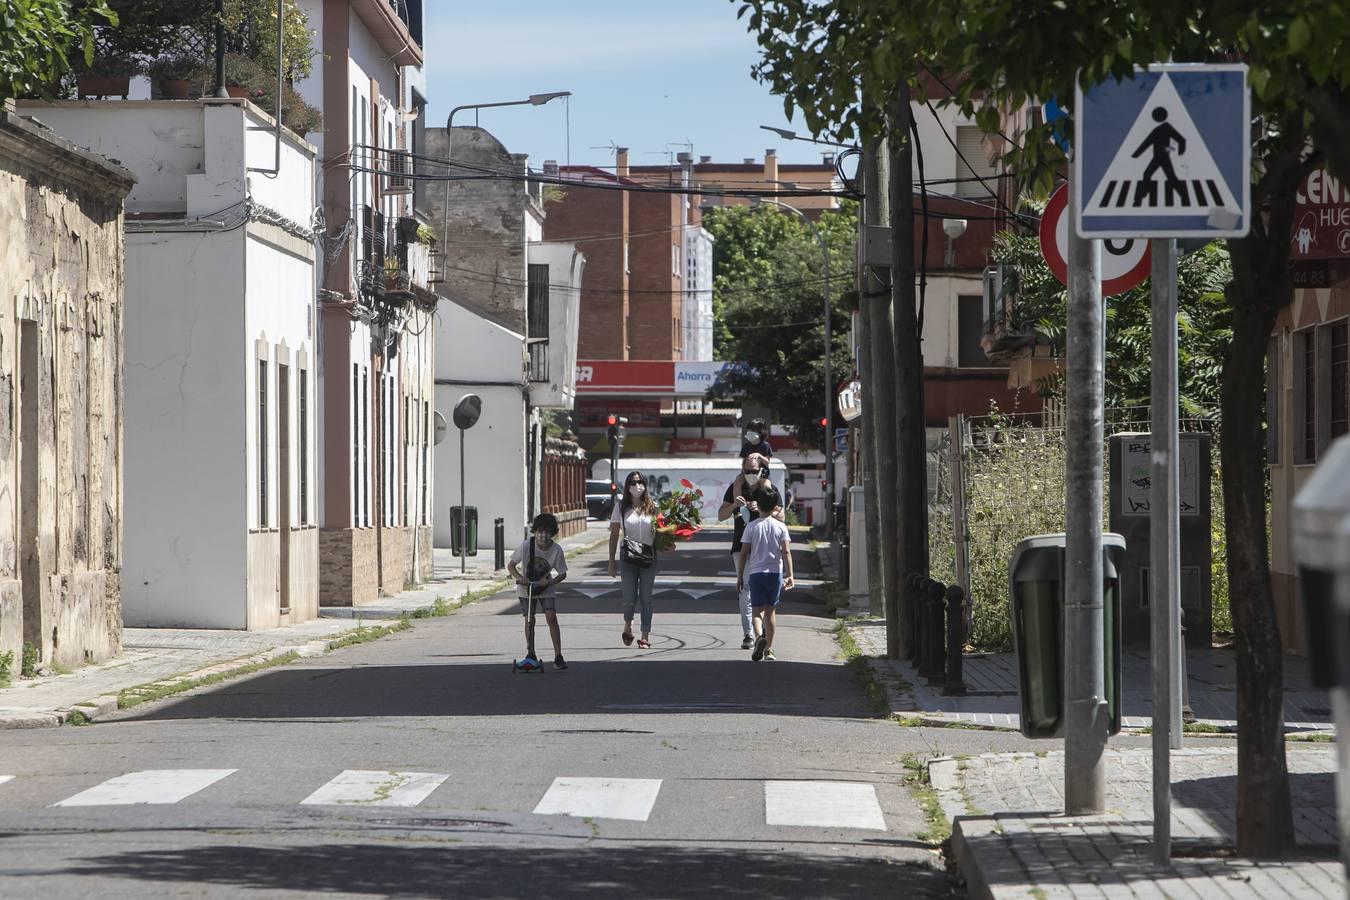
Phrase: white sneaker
[768,654]
[747,642]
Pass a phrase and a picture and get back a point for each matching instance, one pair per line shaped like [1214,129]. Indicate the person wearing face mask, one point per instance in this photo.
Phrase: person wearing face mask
[754,474]
[634,519]
[755,440]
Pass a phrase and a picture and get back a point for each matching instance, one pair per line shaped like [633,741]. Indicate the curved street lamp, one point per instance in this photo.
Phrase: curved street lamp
[532,100]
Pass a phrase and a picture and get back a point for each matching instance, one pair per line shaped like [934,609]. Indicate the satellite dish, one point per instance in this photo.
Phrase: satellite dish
[467,410]
[442,427]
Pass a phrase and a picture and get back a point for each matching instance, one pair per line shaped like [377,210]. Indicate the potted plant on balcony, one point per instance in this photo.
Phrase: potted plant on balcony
[109,76]
[174,75]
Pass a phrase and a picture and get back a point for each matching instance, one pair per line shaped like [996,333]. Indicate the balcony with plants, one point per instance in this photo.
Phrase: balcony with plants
[173,43]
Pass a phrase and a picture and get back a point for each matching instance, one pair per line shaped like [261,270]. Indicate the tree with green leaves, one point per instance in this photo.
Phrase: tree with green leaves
[41,40]
[769,308]
[838,62]
[1203,319]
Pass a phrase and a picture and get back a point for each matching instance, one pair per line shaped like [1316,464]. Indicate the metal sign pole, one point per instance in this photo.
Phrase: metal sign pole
[1165,549]
[1086,718]
[463,511]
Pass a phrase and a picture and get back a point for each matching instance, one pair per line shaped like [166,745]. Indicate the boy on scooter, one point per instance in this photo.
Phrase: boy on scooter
[545,567]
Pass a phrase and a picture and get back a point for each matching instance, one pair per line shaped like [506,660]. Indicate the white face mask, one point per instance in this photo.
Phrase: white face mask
[751,477]
[752,437]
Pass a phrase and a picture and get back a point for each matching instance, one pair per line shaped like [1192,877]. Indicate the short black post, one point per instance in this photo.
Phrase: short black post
[498,544]
[937,668]
[913,586]
[956,641]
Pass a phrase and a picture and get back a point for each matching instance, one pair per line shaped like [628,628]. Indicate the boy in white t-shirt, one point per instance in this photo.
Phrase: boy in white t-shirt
[545,565]
[766,566]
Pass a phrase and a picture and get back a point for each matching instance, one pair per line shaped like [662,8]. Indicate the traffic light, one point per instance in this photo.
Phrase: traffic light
[616,432]
[824,422]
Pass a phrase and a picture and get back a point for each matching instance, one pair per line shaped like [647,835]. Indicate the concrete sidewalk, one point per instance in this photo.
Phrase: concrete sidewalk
[158,656]
[1010,840]
[991,683]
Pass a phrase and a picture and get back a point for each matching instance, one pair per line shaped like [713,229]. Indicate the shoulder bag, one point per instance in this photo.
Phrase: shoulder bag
[635,552]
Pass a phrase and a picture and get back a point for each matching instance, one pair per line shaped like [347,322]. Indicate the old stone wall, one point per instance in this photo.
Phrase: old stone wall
[349,574]
[61,286]
[484,236]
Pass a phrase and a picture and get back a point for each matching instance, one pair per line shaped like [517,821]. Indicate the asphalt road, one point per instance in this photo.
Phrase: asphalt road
[419,765]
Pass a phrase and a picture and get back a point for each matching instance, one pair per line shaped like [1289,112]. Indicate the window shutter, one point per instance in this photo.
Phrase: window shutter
[971,162]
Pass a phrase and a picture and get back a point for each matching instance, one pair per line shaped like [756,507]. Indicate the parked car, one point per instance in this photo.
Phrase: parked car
[599,501]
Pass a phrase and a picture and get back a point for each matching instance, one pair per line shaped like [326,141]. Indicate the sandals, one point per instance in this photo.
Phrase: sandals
[644,645]
[627,638]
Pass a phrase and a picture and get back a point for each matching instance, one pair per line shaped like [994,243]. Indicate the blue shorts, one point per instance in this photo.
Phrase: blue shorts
[764,588]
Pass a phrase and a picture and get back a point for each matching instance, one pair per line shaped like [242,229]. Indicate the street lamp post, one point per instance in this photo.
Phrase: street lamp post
[828,481]
[532,100]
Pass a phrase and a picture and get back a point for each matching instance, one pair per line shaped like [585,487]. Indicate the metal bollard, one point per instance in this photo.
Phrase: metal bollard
[498,544]
[956,641]
[912,585]
[937,662]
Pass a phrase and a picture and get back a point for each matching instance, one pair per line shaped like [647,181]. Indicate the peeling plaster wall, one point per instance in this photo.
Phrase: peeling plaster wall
[484,240]
[61,282]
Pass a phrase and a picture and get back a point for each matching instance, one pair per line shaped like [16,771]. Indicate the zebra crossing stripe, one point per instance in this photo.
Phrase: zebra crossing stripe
[631,799]
[4,778]
[373,788]
[152,786]
[822,804]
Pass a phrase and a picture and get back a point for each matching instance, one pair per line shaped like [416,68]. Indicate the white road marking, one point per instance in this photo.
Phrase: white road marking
[4,778]
[593,592]
[155,786]
[700,594]
[822,804]
[371,788]
[600,798]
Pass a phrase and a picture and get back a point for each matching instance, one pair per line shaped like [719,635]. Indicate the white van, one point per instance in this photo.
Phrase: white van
[710,474]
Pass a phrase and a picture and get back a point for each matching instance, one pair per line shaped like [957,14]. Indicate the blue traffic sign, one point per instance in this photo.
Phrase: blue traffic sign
[1165,154]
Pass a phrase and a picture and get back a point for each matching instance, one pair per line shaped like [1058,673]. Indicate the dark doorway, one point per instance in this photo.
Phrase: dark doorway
[30,560]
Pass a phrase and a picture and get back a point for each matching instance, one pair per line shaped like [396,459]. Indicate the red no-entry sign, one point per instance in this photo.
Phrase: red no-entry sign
[1125,262]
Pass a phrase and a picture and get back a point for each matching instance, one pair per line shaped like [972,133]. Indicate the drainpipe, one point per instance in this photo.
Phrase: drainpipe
[220,65]
[220,50]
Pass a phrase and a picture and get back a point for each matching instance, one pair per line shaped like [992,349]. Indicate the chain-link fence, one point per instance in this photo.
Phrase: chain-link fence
[1013,486]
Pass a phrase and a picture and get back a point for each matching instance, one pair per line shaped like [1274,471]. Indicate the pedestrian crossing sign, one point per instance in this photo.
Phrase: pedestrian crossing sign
[1165,154]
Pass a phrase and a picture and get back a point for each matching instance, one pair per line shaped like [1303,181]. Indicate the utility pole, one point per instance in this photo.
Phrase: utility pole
[911,447]
[869,285]
[1086,717]
[879,390]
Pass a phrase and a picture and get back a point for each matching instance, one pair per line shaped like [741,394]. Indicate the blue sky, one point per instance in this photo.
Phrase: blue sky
[652,76]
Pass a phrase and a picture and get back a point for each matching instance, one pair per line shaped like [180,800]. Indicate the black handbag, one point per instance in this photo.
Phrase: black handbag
[635,552]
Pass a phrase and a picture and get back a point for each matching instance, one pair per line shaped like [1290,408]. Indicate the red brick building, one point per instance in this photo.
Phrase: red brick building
[632,289]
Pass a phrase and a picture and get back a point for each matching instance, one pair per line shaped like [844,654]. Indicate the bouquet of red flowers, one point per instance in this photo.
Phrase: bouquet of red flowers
[677,515]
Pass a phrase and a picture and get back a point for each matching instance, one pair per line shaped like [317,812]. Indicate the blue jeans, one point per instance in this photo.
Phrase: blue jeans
[637,585]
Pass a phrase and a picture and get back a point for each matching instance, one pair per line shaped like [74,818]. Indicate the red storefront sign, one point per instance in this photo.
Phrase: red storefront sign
[1321,219]
[691,445]
[625,377]
[594,411]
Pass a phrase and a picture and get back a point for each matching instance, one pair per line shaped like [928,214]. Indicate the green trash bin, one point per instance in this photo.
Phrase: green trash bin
[471,532]
[1036,593]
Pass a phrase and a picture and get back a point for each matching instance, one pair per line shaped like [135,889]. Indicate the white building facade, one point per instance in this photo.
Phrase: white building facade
[220,380]
[376,340]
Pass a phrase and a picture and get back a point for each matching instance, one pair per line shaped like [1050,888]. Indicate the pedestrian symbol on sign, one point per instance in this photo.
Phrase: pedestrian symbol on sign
[1163,167]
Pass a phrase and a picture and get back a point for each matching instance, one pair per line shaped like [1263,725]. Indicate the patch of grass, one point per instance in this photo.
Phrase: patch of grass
[836,596]
[77,717]
[1200,728]
[28,668]
[61,669]
[878,700]
[364,633]
[6,661]
[145,693]
[916,779]
[1037,893]
[1320,737]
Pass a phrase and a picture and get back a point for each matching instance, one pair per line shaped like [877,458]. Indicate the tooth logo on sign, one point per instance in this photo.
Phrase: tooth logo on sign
[1163,167]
